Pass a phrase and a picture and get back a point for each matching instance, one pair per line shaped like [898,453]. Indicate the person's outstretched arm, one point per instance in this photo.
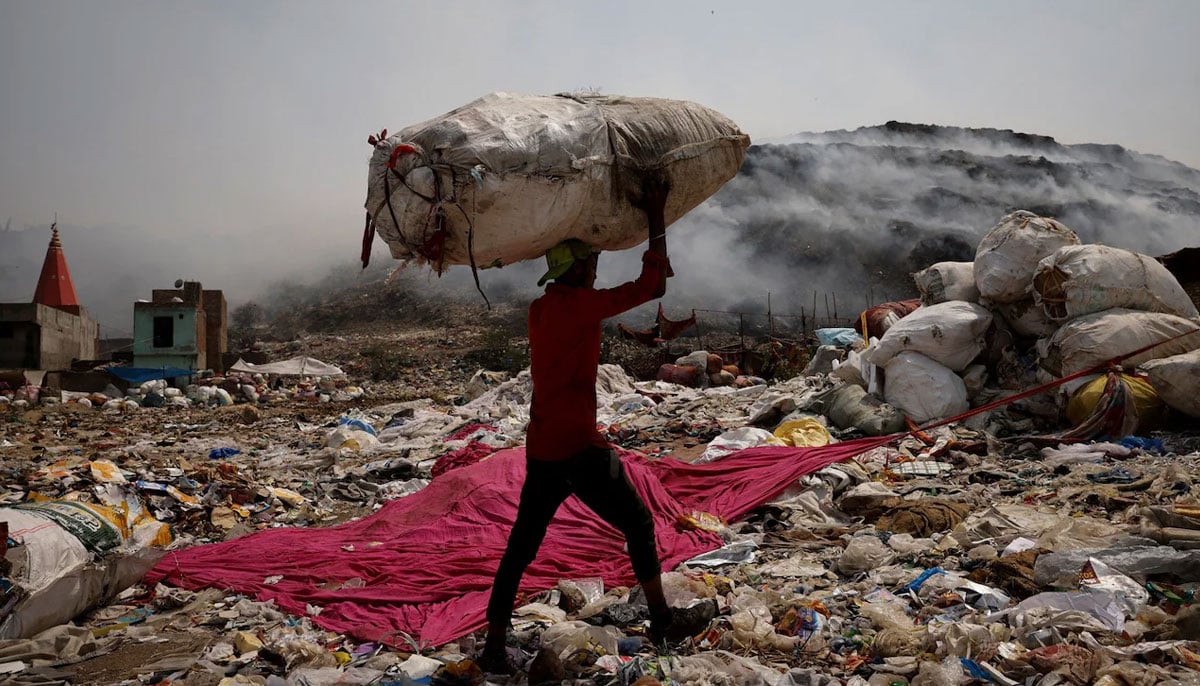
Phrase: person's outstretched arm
[654,201]
[652,283]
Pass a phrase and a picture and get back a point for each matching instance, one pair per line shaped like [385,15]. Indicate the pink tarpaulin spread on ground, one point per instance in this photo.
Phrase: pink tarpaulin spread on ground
[422,566]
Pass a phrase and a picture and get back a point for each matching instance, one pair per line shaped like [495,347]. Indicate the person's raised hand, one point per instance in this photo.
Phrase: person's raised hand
[655,189]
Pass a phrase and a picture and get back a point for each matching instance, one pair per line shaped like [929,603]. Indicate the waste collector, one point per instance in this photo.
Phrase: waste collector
[565,454]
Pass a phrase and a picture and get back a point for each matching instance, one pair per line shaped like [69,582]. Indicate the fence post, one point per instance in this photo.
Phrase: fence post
[770,320]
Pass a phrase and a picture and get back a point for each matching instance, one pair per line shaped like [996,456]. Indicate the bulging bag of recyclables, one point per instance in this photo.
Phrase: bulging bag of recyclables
[1097,338]
[508,176]
[1085,279]
[923,389]
[69,557]
[1177,379]
[946,281]
[1010,252]
[951,334]
[1025,317]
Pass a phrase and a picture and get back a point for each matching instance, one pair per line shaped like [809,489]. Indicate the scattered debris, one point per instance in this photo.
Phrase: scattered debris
[1050,537]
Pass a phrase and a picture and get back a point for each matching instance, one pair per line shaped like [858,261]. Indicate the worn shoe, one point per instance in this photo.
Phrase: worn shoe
[683,622]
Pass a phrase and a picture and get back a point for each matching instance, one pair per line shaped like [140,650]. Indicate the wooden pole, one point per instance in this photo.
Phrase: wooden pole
[770,320]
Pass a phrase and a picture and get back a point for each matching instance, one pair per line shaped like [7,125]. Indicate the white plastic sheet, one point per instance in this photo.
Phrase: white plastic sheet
[296,366]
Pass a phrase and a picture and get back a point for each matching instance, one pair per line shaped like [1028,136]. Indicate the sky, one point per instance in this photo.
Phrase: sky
[239,129]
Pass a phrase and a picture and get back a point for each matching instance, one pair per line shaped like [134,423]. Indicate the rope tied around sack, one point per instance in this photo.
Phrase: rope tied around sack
[432,245]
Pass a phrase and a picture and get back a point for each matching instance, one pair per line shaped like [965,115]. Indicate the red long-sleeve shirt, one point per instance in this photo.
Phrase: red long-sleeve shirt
[564,349]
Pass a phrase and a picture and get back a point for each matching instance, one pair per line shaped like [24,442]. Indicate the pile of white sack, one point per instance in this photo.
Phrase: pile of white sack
[1036,305]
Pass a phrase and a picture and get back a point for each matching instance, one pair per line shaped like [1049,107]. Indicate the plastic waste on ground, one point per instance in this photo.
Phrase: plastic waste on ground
[803,433]
[841,337]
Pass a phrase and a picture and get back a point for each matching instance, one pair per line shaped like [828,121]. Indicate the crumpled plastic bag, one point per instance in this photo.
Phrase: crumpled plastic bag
[803,433]
[566,638]
[732,441]
[752,625]
[864,553]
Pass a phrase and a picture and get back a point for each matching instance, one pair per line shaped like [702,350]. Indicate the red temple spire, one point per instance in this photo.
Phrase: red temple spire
[54,287]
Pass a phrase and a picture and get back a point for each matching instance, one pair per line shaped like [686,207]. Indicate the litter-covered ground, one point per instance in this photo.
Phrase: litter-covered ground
[1043,538]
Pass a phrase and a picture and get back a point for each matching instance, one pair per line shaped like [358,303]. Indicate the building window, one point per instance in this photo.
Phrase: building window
[164,332]
[8,330]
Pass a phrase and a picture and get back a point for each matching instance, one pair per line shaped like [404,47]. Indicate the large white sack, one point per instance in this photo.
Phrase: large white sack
[517,174]
[71,558]
[1084,279]
[951,334]
[1010,252]
[1025,318]
[923,389]
[1094,339]
[946,281]
[1177,379]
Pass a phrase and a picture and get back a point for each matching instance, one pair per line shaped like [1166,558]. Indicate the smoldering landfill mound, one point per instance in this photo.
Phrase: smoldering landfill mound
[857,211]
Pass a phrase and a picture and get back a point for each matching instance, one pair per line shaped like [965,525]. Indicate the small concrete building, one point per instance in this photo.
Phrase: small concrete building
[52,331]
[183,328]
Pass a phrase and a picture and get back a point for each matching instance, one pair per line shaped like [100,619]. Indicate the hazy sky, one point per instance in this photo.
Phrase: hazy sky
[246,122]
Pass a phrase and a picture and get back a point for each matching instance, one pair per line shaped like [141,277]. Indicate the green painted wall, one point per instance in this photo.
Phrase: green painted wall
[182,352]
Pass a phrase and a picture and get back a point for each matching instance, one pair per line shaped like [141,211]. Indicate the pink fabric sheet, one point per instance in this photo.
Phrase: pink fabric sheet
[422,566]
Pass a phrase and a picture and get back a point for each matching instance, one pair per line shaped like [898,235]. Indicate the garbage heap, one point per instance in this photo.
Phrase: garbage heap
[989,550]
[1034,307]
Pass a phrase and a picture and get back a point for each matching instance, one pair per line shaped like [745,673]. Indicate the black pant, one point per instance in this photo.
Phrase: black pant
[597,477]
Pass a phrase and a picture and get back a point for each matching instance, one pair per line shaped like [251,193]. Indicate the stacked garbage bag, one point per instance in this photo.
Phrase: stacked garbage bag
[263,388]
[702,369]
[207,391]
[1035,306]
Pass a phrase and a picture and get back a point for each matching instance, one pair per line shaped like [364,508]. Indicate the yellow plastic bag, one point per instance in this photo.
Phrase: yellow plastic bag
[1147,406]
[803,433]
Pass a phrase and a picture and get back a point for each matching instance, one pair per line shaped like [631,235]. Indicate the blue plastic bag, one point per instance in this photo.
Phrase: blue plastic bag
[843,338]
